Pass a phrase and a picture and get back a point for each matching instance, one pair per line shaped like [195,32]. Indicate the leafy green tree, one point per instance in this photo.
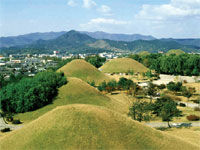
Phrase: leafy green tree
[31,93]
[139,111]
[96,61]
[168,111]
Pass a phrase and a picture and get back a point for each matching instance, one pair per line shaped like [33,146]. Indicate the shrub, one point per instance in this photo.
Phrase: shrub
[172,86]
[5,130]
[162,86]
[182,105]
[193,118]
[16,122]
[197,108]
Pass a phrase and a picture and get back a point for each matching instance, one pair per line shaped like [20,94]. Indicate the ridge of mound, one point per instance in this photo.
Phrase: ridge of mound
[89,127]
[76,91]
[122,65]
[84,70]
[175,51]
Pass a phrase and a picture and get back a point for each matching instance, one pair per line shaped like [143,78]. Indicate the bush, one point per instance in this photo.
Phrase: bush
[162,86]
[16,122]
[193,118]
[182,105]
[5,130]
[172,86]
[197,108]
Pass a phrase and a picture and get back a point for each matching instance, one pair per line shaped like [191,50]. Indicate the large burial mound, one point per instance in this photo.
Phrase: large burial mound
[84,70]
[75,91]
[122,65]
[175,51]
[89,127]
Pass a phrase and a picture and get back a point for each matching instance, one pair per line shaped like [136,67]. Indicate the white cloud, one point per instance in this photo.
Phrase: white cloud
[178,18]
[72,3]
[88,3]
[176,9]
[107,21]
[104,9]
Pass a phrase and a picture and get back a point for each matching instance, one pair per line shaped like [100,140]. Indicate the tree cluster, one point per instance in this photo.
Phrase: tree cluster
[96,60]
[183,64]
[163,107]
[31,93]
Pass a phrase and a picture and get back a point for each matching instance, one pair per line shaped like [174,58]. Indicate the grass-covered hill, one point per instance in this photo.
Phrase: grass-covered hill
[76,91]
[144,53]
[175,51]
[120,65]
[89,127]
[84,70]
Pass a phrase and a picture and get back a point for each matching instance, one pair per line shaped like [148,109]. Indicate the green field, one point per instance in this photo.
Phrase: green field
[123,65]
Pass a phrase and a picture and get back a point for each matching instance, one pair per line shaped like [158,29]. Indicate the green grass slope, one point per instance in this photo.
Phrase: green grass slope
[89,127]
[123,65]
[75,92]
[175,51]
[84,70]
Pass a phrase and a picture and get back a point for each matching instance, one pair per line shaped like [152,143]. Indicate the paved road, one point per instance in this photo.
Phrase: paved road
[164,124]
[4,125]
[192,105]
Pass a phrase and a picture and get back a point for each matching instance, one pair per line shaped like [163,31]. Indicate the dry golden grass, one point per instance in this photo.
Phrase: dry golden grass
[75,91]
[89,127]
[120,65]
[81,69]
[193,85]
[191,135]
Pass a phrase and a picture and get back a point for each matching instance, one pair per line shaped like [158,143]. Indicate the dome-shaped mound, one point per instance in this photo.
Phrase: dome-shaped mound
[89,127]
[120,65]
[175,51]
[84,70]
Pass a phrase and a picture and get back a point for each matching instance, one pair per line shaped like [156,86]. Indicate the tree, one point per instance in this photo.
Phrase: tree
[139,111]
[168,111]
[151,91]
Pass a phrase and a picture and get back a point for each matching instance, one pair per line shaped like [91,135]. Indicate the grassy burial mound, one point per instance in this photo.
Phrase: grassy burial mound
[175,51]
[75,92]
[83,70]
[144,53]
[89,127]
[120,65]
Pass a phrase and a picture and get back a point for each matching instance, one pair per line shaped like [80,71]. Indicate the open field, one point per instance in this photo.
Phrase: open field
[81,69]
[89,127]
[123,65]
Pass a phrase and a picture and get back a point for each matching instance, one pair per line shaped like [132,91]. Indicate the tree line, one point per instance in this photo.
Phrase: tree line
[183,64]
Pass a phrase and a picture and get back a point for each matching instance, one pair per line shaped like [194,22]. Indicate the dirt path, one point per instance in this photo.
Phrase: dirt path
[4,125]
[164,124]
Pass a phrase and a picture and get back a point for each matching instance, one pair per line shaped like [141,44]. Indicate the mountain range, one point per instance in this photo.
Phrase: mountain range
[92,42]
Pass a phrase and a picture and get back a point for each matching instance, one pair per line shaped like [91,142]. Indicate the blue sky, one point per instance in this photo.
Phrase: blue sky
[159,18]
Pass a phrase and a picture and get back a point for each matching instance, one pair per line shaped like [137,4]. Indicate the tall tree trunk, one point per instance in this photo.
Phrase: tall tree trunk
[168,124]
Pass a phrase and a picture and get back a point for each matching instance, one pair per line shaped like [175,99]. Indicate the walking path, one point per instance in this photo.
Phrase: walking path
[4,125]
[164,124]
